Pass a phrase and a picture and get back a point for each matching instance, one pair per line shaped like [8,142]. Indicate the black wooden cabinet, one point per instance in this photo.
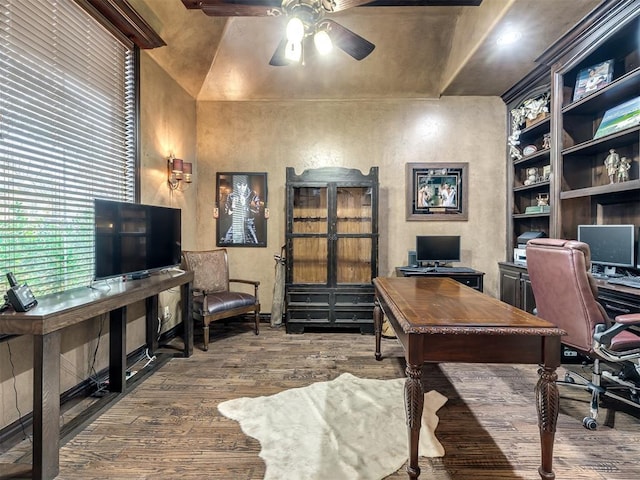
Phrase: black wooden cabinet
[331,248]
[515,286]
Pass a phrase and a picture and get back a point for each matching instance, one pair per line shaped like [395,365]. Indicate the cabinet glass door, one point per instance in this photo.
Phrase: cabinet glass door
[310,218]
[353,229]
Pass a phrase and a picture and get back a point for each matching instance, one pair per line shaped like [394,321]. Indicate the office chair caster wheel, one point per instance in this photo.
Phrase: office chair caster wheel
[589,423]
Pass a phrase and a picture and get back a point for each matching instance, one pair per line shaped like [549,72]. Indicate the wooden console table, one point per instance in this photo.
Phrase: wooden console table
[441,320]
[56,312]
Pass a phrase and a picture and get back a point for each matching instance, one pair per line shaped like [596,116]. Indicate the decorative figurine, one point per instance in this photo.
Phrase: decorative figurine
[546,141]
[623,169]
[543,199]
[532,175]
[611,163]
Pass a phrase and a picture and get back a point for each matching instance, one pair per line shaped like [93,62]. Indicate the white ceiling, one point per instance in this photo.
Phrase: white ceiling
[421,52]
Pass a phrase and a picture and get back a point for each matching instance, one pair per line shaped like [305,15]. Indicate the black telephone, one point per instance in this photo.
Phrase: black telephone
[20,297]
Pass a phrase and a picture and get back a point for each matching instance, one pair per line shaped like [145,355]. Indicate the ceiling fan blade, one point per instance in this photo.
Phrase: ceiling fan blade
[236,8]
[279,58]
[339,5]
[350,42]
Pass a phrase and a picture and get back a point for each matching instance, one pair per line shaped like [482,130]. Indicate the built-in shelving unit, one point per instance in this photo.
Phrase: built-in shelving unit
[579,187]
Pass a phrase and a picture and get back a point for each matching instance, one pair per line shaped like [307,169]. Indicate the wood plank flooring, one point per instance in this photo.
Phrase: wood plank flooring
[169,426]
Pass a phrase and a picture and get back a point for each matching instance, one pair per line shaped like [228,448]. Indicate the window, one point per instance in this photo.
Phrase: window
[67,135]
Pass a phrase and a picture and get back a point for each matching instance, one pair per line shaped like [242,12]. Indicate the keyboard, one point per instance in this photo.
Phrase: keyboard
[633,282]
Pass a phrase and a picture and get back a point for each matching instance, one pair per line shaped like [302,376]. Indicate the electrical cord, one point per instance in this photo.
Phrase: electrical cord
[15,390]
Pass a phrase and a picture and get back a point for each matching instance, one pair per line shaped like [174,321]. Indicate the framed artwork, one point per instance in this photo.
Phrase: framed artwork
[437,191]
[593,78]
[241,198]
[620,117]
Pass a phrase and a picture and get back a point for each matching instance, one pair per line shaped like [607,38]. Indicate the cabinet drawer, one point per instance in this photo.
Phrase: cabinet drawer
[318,298]
[308,315]
[473,282]
[354,298]
[354,316]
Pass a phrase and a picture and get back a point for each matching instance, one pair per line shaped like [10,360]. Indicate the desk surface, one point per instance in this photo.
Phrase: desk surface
[431,305]
[60,310]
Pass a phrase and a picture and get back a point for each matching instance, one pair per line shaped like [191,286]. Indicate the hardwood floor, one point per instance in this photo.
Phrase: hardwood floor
[169,426]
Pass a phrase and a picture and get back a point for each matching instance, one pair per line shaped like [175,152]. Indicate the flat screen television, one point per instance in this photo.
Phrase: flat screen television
[610,245]
[437,249]
[134,239]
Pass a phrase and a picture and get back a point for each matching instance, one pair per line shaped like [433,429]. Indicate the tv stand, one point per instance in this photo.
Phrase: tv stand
[56,312]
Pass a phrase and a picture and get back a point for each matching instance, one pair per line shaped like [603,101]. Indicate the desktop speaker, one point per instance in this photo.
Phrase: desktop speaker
[413,259]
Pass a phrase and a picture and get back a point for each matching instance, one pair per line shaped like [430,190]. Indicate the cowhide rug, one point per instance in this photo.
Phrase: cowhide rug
[348,428]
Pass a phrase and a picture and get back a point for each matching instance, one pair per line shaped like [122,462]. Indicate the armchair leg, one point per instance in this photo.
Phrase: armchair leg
[257,320]
[205,336]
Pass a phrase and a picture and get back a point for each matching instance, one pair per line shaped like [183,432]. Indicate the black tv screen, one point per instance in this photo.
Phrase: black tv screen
[437,249]
[132,238]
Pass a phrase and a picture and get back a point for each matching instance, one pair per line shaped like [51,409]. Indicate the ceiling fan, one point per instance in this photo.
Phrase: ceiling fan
[307,26]
[308,32]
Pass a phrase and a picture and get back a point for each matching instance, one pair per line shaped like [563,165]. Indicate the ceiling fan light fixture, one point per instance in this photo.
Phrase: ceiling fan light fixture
[293,52]
[295,30]
[323,42]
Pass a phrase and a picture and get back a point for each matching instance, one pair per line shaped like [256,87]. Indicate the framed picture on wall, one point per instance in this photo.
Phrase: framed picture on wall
[437,191]
[241,198]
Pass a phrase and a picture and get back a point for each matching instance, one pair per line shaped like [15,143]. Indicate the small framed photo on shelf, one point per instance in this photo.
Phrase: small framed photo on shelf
[621,117]
[593,78]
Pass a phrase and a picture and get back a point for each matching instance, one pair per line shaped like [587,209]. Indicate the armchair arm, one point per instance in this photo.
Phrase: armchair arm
[604,336]
[255,284]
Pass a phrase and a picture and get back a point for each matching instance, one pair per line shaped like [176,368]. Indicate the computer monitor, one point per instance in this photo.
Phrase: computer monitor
[437,249]
[610,245]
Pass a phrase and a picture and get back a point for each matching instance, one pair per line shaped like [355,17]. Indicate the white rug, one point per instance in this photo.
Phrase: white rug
[349,428]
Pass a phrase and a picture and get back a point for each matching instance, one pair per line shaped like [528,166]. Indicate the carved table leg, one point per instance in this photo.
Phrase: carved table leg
[548,404]
[414,403]
[377,327]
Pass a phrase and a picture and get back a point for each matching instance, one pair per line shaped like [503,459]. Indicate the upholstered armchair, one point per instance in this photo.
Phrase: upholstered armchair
[566,295]
[212,297]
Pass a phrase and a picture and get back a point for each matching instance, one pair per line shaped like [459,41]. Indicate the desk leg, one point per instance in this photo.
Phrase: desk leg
[548,404]
[118,350]
[413,403]
[377,327]
[46,405]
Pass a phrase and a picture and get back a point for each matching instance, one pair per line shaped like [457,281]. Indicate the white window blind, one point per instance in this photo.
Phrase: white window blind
[67,135]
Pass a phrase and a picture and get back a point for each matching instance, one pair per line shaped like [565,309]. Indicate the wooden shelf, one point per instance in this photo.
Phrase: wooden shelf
[618,91]
[602,190]
[603,144]
[536,157]
[534,186]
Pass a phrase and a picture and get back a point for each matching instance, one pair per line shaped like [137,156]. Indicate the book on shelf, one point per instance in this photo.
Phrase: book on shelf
[620,117]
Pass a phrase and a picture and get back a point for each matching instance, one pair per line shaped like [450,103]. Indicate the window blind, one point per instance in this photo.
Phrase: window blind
[67,135]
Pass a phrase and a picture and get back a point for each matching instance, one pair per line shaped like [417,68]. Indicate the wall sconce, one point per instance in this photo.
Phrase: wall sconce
[179,170]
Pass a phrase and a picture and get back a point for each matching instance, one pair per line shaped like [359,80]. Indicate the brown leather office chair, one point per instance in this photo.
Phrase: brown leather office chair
[212,298]
[566,295]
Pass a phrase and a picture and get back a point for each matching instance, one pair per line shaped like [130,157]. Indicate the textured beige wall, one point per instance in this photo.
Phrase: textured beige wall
[269,136]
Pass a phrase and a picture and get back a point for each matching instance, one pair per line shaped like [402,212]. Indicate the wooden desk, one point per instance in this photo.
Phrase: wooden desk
[440,320]
[56,312]
[474,279]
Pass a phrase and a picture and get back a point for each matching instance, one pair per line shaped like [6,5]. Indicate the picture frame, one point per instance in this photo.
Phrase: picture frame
[593,78]
[437,191]
[240,210]
[623,116]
